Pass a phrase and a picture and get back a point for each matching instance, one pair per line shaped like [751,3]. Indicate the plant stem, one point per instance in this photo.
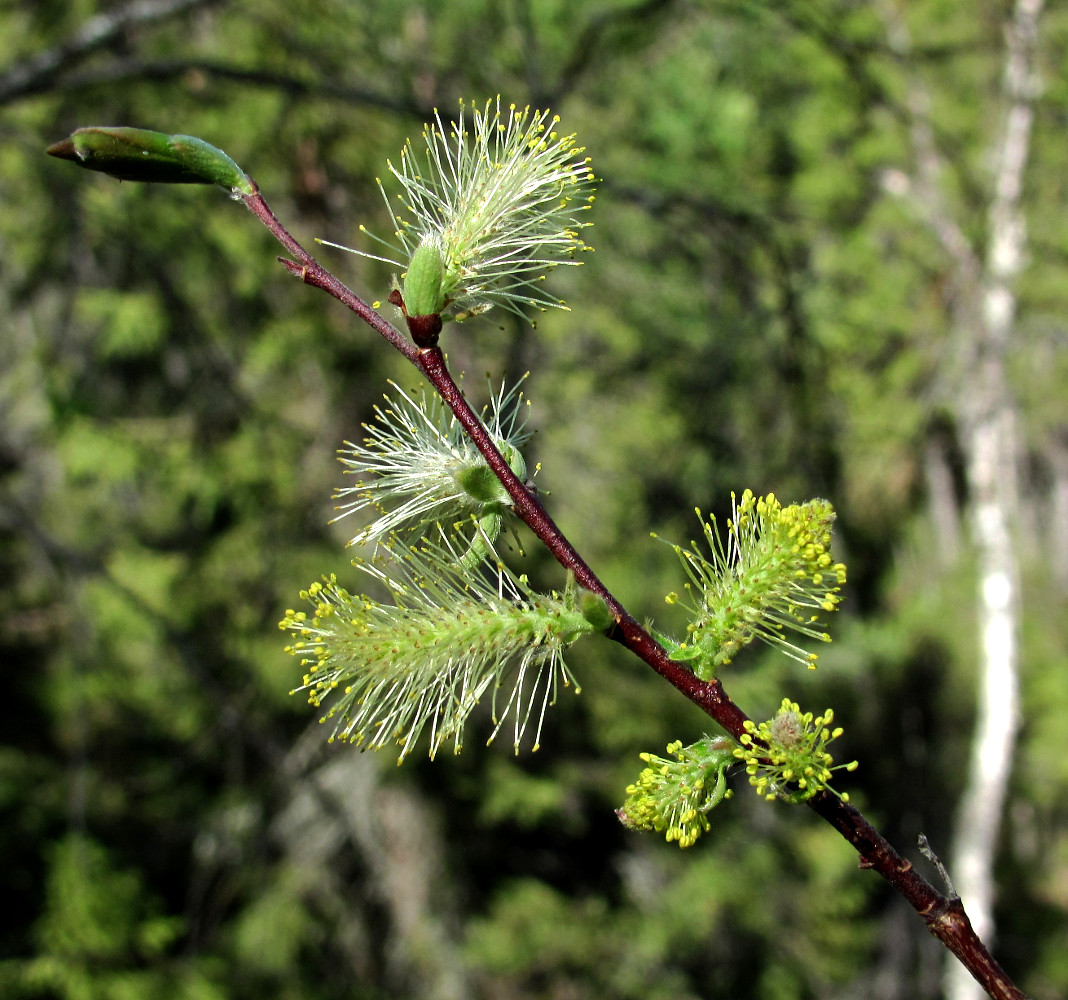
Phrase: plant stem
[309,270]
[944,915]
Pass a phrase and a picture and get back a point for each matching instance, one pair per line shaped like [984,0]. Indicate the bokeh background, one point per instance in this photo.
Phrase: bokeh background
[770,305]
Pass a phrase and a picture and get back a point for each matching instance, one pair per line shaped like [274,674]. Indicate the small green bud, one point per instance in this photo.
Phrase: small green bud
[590,607]
[423,295]
[516,462]
[137,154]
[481,484]
[595,611]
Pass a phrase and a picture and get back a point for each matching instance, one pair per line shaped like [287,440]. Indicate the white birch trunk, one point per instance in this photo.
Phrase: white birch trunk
[992,480]
[986,413]
[983,313]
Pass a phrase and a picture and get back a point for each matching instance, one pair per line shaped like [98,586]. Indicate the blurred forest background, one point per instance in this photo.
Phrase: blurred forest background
[797,239]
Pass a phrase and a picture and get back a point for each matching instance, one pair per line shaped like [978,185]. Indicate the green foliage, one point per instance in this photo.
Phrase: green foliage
[683,912]
[758,311]
[276,925]
[97,933]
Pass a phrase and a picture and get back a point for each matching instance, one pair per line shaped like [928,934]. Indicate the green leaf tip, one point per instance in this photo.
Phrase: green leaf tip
[137,154]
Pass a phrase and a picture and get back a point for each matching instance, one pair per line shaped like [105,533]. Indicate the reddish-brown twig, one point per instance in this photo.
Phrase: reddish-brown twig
[944,915]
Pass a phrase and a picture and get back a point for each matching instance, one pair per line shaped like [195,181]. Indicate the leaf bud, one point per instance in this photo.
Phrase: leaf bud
[137,154]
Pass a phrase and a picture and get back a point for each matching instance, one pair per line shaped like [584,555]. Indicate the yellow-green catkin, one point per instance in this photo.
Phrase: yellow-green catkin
[674,795]
[786,758]
[388,672]
[773,576]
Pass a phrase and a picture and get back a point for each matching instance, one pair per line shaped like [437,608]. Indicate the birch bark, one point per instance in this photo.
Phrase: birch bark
[988,422]
[982,313]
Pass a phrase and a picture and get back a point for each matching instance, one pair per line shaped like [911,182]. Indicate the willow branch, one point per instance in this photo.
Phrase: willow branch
[944,915]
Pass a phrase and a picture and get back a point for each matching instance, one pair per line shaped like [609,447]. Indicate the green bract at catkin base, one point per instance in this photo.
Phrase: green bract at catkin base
[417,467]
[774,574]
[426,660]
[486,209]
[785,756]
